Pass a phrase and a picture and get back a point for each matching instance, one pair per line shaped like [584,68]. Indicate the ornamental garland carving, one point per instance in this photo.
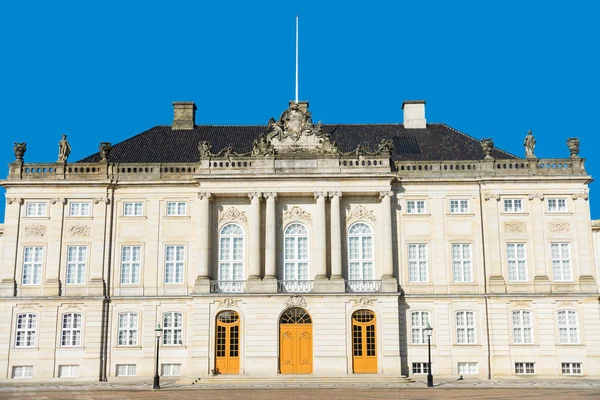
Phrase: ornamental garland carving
[296,213]
[79,231]
[34,230]
[233,214]
[360,213]
[559,227]
[296,301]
[514,227]
[228,302]
[521,303]
[363,302]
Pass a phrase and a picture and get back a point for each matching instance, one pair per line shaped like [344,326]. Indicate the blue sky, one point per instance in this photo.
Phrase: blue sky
[105,71]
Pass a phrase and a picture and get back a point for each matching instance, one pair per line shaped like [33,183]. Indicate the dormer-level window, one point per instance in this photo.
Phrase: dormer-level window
[79,209]
[557,205]
[415,206]
[176,208]
[513,205]
[133,209]
[459,206]
[37,209]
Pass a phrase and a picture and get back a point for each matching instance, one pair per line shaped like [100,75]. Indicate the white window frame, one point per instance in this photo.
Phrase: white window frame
[418,267]
[170,370]
[571,368]
[423,319]
[568,325]
[467,368]
[133,209]
[462,263]
[26,330]
[464,331]
[460,206]
[520,272]
[72,330]
[32,266]
[77,265]
[296,265]
[80,209]
[361,267]
[127,329]
[172,328]
[126,370]
[513,206]
[522,331]
[420,367]
[232,267]
[524,368]
[558,205]
[416,207]
[562,267]
[36,209]
[174,263]
[177,208]
[68,371]
[22,371]
[131,264]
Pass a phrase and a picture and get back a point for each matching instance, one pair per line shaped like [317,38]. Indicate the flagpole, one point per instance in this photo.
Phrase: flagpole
[296,59]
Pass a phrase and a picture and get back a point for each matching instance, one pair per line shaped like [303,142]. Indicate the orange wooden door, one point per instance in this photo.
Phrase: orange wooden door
[227,360]
[295,342]
[364,346]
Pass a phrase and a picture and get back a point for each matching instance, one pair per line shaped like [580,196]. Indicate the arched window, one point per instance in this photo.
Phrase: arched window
[360,257]
[231,258]
[295,265]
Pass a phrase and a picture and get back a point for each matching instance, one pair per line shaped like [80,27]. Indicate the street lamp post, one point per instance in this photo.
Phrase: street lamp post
[428,332]
[158,333]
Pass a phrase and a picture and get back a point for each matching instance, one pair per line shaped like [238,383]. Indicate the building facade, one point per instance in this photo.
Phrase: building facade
[299,248]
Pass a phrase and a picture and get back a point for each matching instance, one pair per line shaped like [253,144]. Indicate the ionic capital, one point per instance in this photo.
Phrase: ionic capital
[270,195]
[335,194]
[102,199]
[536,196]
[489,196]
[17,200]
[583,196]
[252,195]
[385,193]
[61,200]
[320,194]
[205,195]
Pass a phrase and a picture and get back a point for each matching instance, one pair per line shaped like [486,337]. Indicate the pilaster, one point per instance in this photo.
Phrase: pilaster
[202,282]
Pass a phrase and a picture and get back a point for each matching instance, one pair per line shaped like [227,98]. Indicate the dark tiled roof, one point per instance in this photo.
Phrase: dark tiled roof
[163,145]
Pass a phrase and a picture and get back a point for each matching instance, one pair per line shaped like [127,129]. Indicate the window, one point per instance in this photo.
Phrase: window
[128,329]
[568,327]
[571,368]
[295,238]
[420,368]
[23,371]
[417,262]
[76,264]
[517,261]
[133,209]
[557,205]
[32,265]
[524,368]
[130,264]
[37,209]
[522,327]
[174,258]
[360,252]
[419,321]
[79,209]
[231,253]
[468,368]
[415,206]
[71,330]
[172,328]
[561,261]
[465,327]
[68,371]
[461,263]
[513,205]
[126,369]
[459,206]
[26,330]
[171,369]
[176,208]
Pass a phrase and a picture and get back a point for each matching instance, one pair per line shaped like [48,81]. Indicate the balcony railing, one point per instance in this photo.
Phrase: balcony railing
[363,286]
[227,286]
[294,286]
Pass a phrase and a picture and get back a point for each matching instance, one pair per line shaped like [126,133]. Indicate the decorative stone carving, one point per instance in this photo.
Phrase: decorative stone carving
[573,145]
[207,195]
[360,213]
[296,213]
[99,200]
[79,231]
[29,305]
[262,147]
[233,214]
[252,195]
[105,148]
[16,200]
[566,304]
[363,302]
[34,230]
[559,227]
[488,196]
[77,306]
[385,147]
[227,302]
[529,144]
[385,193]
[268,195]
[60,200]
[583,196]
[20,149]
[487,145]
[320,194]
[334,194]
[521,303]
[64,149]
[536,196]
[326,146]
[296,301]
[514,227]
[205,149]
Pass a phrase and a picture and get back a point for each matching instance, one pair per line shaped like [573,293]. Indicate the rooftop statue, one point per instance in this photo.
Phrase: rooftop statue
[487,145]
[295,131]
[262,147]
[573,144]
[20,149]
[64,149]
[385,147]
[529,145]
[105,148]
[204,148]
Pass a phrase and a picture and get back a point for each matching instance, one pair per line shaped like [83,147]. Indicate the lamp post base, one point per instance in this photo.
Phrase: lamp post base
[429,380]
[156,382]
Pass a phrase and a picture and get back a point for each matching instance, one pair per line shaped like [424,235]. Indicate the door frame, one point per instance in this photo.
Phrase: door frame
[312,323]
[212,331]
[351,309]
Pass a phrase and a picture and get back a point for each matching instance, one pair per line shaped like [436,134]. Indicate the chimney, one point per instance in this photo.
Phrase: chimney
[414,114]
[184,115]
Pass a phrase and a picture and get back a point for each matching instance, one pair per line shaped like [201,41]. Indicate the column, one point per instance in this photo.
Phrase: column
[583,237]
[203,278]
[538,243]
[320,242]
[270,236]
[254,237]
[387,259]
[336,236]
